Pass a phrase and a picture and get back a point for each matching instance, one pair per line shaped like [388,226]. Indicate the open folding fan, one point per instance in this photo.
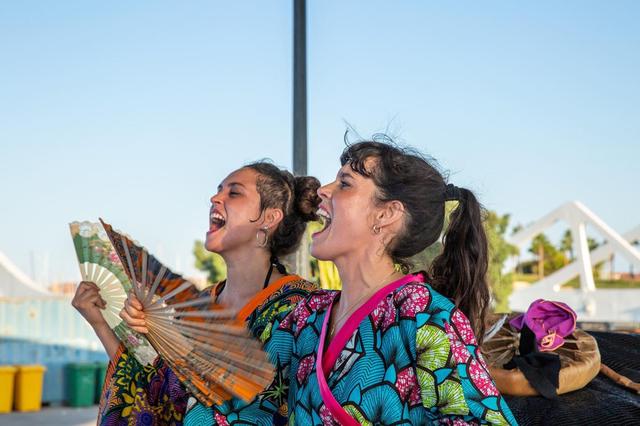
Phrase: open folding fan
[205,345]
[99,263]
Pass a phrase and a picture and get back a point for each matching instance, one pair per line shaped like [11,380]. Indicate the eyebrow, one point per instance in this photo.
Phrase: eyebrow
[345,175]
[231,184]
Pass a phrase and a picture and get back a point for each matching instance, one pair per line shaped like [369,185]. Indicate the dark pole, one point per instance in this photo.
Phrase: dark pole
[299,87]
[300,112]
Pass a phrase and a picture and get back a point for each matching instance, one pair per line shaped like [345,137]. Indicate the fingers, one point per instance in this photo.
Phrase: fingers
[87,294]
[90,284]
[94,297]
[133,314]
[83,286]
[134,308]
[134,302]
[136,324]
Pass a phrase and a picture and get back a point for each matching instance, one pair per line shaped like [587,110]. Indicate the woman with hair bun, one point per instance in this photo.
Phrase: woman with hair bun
[257,215]
[392,347]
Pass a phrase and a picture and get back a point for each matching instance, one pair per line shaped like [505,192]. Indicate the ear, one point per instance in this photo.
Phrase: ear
[391,215]
[272,218]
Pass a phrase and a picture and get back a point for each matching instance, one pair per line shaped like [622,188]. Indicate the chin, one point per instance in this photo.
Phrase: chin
[320,253]
[210,244]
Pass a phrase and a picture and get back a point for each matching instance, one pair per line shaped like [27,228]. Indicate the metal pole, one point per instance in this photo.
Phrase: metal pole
[300,115]
[299,87]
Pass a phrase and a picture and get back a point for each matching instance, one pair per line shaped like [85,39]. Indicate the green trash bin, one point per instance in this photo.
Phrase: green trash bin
[81,384]
[101,371]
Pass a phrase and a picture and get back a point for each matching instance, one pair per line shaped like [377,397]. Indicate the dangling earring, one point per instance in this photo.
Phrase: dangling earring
[264,230]
[376,229]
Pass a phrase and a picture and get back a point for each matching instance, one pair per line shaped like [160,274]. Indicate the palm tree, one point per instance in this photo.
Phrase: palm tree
[566,244]
[538,245]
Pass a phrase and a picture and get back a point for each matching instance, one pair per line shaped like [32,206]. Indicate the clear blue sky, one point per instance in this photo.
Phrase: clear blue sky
[134,111]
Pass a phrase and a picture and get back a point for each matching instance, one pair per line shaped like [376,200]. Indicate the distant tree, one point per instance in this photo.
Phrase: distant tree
[517,228]
[566,244]
[422,261]
[499,251]
[539,246]
[549,258]
[592,244]
[211,263]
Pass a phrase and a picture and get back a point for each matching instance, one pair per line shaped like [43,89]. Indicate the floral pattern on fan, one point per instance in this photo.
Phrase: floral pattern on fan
[99,263]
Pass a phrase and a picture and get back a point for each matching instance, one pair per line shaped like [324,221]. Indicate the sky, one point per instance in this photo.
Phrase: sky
[135,111]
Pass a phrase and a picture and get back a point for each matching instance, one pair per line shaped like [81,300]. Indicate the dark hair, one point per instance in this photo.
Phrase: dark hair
[403,174]
[296,196]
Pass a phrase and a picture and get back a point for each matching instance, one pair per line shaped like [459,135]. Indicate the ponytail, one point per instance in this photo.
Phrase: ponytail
[460,271]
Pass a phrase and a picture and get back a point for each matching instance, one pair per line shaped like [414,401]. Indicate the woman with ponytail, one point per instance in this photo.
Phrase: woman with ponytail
[392,347]
[258,214]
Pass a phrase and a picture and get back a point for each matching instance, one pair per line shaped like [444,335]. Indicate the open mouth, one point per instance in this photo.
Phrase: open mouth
[325,219]
[216,222]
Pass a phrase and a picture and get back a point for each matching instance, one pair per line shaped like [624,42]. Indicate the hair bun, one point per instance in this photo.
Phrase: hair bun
[306,199]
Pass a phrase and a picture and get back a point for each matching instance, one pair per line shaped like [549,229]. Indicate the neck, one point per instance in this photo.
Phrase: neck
[364,274]
[246,271]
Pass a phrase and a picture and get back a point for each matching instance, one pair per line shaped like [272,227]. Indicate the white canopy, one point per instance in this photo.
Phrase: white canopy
[15,283]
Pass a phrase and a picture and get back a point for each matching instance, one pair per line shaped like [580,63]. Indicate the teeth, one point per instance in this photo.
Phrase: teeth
[323,214]
[325,218]
[216,216]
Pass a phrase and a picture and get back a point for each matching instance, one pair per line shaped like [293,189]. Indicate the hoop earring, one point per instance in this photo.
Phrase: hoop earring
[376,229]
[265,240]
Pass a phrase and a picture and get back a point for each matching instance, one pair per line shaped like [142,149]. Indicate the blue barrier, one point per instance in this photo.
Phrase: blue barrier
[14,351]
[47,331]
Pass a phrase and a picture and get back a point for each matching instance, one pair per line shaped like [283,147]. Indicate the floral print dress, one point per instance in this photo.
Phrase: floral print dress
[136,394]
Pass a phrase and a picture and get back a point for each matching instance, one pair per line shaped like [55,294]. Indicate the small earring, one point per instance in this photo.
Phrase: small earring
[264,230]
[376,229]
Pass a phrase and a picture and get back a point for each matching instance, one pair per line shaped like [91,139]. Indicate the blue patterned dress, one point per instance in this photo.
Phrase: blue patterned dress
[411,359]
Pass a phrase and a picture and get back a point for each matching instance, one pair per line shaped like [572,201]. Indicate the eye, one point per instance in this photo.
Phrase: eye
[343,184]
[233,193]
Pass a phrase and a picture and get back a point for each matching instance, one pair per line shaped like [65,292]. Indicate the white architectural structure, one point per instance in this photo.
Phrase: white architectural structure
[591,304]
[14,283]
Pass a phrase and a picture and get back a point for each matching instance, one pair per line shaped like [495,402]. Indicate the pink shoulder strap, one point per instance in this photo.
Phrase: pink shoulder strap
[326,362]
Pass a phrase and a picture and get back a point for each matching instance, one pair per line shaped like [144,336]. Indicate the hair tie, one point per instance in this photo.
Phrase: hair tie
[452,193]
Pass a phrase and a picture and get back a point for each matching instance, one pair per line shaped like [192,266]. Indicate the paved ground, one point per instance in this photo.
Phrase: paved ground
[52,416]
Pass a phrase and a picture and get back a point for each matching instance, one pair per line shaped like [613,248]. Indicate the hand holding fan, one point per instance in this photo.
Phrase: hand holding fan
[205,345]
[100,264]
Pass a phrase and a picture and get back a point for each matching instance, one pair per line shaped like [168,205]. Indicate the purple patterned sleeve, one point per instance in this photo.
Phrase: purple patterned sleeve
[137,394]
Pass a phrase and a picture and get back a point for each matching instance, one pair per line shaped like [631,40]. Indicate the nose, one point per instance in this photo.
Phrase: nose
[324,191]
[215,199]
